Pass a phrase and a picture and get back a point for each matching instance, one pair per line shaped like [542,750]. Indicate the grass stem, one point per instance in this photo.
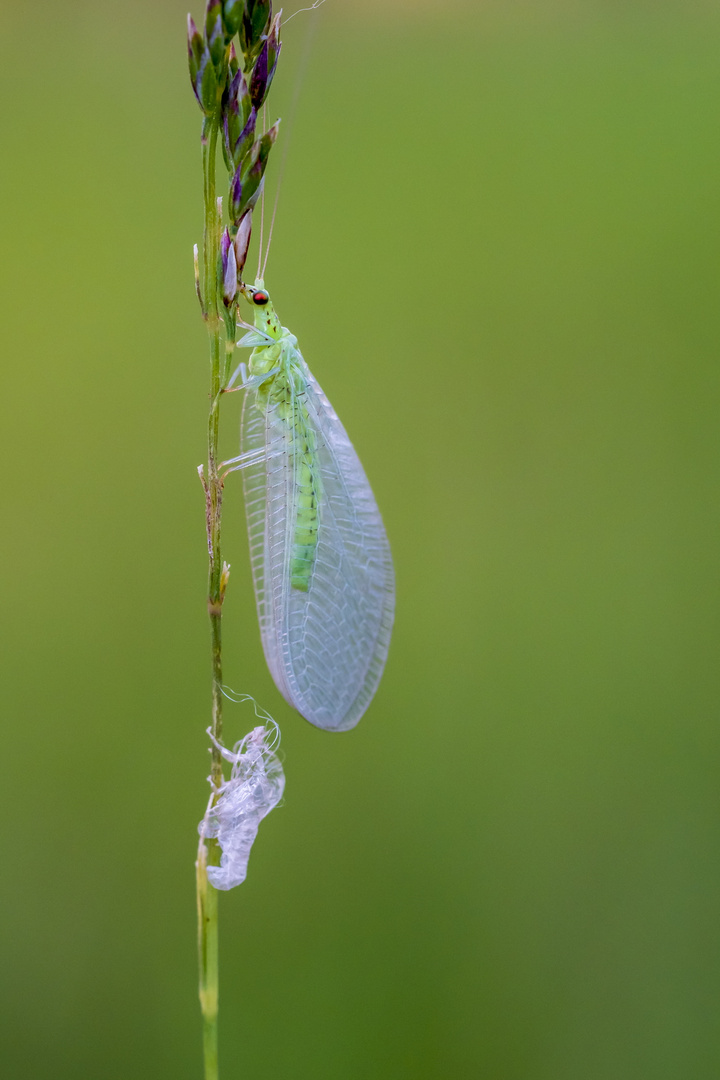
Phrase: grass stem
[207,898]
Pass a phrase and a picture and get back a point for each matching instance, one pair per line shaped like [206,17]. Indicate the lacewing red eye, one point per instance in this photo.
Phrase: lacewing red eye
[260,297]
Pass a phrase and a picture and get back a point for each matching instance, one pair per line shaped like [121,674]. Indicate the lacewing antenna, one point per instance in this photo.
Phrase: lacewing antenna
[300,78]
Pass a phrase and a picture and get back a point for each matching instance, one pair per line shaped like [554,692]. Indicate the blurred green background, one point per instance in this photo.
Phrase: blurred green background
[499,244]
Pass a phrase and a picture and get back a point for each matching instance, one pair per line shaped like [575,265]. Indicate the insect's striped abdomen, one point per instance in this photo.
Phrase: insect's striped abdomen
[307,492]
[283,395]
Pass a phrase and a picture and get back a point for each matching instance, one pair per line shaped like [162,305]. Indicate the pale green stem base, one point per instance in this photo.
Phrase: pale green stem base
[209,852]
[207,900]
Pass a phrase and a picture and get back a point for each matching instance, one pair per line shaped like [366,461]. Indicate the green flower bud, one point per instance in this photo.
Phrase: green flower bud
[242,241]
[238,104]
[245,140]
[233,62]
[266,63]
[196,47]
[215,35]
[232,16]
[260,13]
[239,118]
[227,271]
[267,142]
[274,46]
[253,28]
[259,78]
[206,84]
[246,187]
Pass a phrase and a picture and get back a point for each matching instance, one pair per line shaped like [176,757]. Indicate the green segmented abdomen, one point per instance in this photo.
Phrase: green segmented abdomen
[306,527]
[306,480]
[283,394]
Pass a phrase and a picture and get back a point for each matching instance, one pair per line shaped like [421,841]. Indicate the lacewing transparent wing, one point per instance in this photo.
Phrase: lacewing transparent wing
[321,562]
